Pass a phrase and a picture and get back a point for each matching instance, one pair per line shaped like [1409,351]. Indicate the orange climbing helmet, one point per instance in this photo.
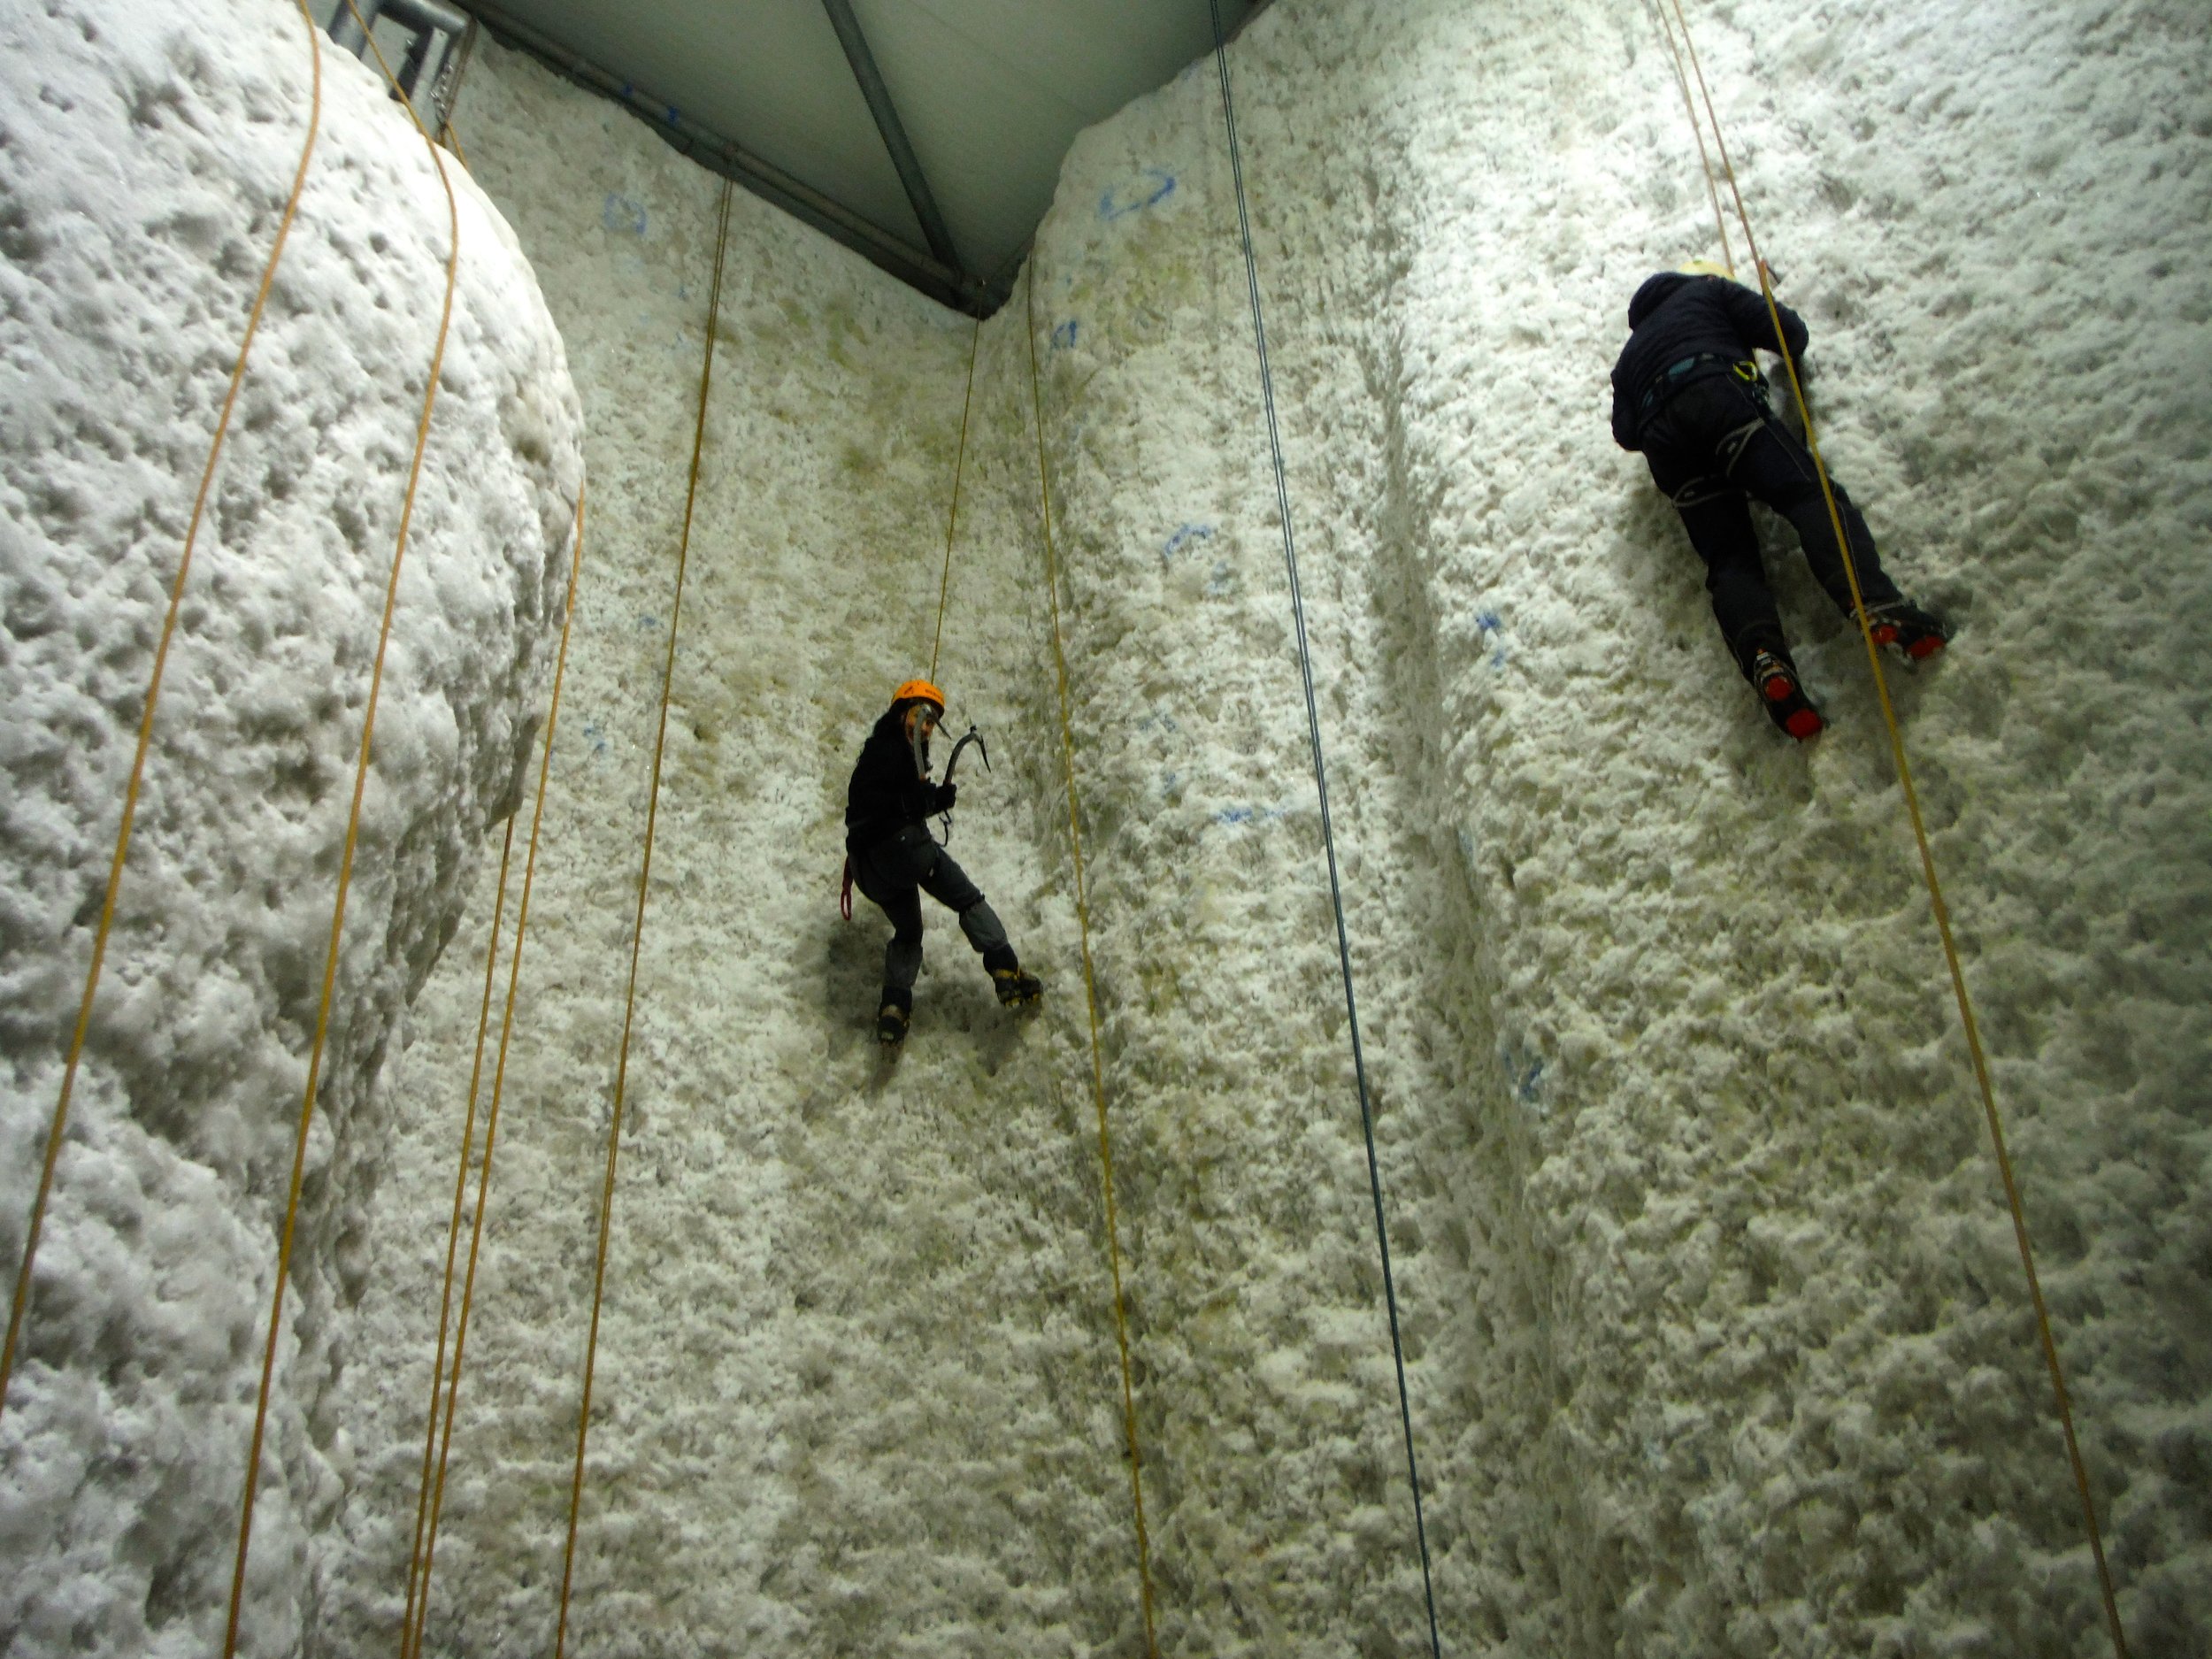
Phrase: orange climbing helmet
[919,691]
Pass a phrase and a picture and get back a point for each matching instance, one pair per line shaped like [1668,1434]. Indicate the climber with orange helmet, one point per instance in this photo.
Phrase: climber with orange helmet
[893,859]
[1689,393]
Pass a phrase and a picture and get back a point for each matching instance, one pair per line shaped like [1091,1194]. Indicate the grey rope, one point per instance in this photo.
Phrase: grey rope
[1328,838]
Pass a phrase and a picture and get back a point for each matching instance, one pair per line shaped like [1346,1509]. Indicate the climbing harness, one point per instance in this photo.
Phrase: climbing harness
[430,1499]
[338,910]
[1090,984]
[637,929]
[1678,374]
[1960,994]
[20,1307]
[1321,787]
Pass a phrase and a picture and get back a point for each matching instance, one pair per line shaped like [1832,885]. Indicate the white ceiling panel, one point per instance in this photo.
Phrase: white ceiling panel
[990,93]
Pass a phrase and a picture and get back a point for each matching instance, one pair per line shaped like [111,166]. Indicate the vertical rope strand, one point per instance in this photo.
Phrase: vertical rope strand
[637,935]
[338,910]
[1697,131]
[1328,837]
[453,1231]
[952,519]
[20,1307]
[410,1638]
[1090,988]
[1972,1029]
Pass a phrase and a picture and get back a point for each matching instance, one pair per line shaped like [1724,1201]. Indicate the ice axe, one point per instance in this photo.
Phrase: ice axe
[971,735]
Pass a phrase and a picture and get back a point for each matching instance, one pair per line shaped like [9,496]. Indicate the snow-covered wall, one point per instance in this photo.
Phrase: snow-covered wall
[1716,1339]
[1719,1341]
[145,156]
[1718,1344]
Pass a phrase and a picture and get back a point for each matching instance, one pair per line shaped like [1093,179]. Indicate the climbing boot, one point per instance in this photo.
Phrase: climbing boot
[1909,628]
[1774,677]
[1017,989]
[891,1025]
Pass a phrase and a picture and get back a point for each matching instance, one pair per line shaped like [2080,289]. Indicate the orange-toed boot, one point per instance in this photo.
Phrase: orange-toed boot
[1909,628]
[1774,677]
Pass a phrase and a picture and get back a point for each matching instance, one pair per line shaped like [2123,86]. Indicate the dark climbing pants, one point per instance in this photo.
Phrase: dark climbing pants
[894,875]
[1716,442]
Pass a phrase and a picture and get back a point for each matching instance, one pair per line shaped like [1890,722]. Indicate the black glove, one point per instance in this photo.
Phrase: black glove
[946,792]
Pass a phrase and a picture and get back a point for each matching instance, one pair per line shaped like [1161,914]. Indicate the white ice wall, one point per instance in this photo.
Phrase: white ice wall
[1721,1346]
[1717,1343]
[145,156]
[855,1381]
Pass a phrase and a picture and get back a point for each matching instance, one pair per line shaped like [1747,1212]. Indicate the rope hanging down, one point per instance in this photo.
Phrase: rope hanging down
[427,1531]
[1697,130]
[952,519]
[338,910]
[21,1306]
[1090,981]
[1935,893]
[453,1236]
[1328,838]
[637,929]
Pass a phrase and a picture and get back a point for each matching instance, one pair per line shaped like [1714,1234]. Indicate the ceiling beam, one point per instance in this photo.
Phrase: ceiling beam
[880,105]
[944,283]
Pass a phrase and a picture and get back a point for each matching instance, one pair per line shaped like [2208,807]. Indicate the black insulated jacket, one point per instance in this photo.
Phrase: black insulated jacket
[887,793]
[1675,318]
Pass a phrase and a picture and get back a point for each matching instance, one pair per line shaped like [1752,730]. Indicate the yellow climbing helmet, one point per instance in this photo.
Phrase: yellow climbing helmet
[1705,267]
[919,690]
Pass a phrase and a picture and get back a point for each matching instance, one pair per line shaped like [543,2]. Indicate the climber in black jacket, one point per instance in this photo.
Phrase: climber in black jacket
[893,859]
[1689,393]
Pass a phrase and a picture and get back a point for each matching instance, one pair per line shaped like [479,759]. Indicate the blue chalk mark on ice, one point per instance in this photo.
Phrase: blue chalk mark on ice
[1234,815]
[623,216]
[1493,627]
[1064,336]
[1152,185]
[598,738]
[1524,1076]
[1183,538]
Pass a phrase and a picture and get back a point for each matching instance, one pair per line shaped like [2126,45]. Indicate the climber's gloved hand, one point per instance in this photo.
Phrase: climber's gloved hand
[947,794]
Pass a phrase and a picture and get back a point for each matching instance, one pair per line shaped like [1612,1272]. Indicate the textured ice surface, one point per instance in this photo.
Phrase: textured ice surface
[1716,1336]
[1718,1340]
[145,155]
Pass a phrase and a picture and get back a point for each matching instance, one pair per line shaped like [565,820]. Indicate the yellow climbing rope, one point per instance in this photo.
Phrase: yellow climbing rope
[1697,130]
[1935,889]
[952,519]
[338,910]
[453,1229]
[1090,981]
[637,930]
[430,1498]
[20,1307]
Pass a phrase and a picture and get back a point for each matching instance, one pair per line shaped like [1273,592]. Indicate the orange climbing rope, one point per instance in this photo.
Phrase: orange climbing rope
[637,931]
[338,910]
[1090,984]
[1935,890]
[20,1307]
[453,1226]
[952,519]
[1697,130]
[427,1531]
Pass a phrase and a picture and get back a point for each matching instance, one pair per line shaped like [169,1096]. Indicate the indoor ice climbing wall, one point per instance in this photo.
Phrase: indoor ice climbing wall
[1716,1334]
